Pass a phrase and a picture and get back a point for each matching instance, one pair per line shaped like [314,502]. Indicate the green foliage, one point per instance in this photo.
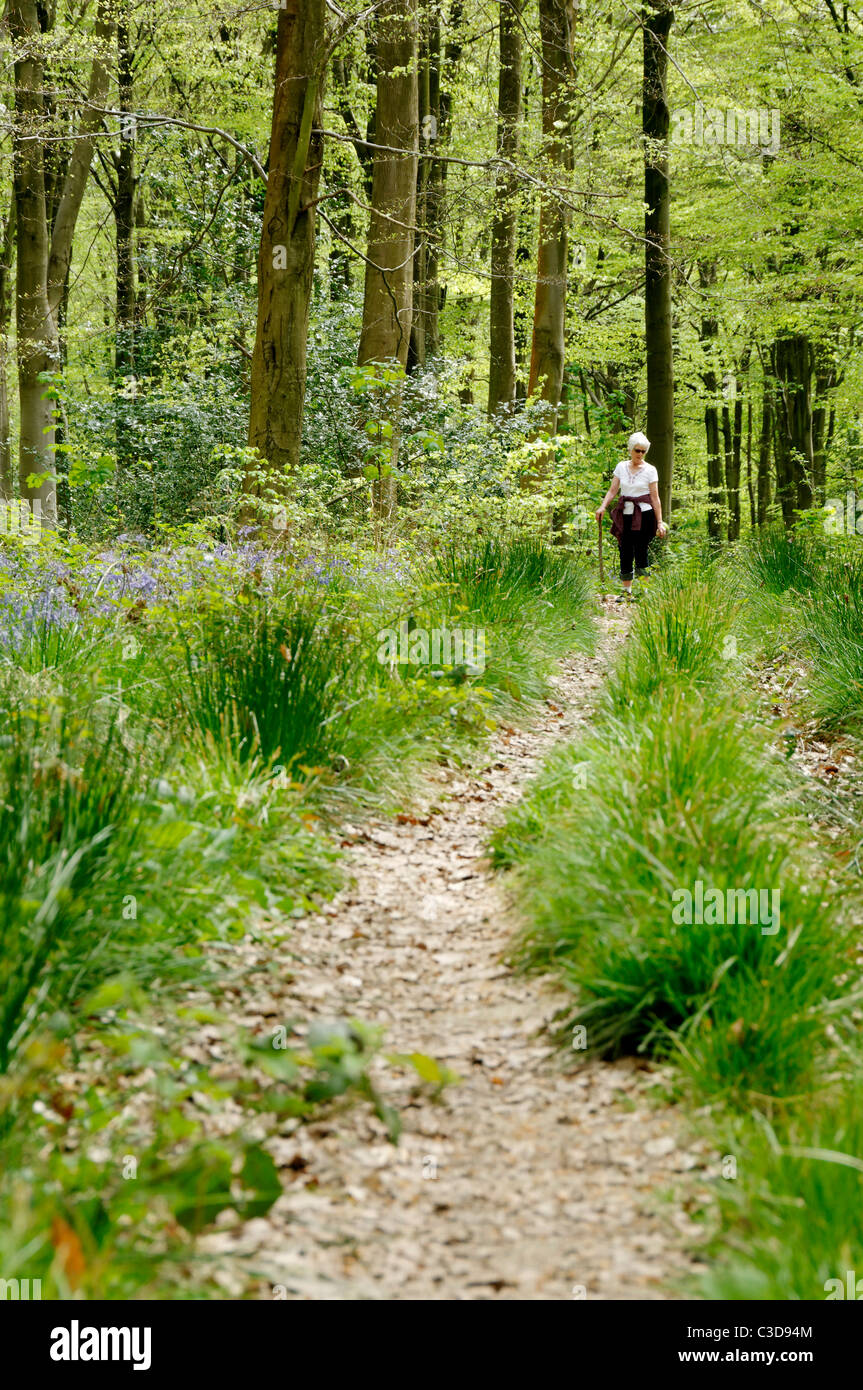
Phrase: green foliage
[791,1222]
[834,633]
[779,560]
[270,679]
[680,788]
[186,728]
[68,809]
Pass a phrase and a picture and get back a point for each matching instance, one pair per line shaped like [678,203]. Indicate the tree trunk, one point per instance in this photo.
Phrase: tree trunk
[548,350]
[504,232]
[124,223]
[341,209]
[732,476]
[387,302]
[287,253]
[792,367]
[714,471]
[749,488]
[521,311]
[38,346]
[7,481]
[440,103]
[708,334]
[657,19]
[44,256]
[124,211]
[341,206]
[427,126]
[826,378]
[763,486]
[732,483]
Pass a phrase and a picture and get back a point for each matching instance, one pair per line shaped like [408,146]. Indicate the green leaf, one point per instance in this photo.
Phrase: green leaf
[260,1176]
[203,1187]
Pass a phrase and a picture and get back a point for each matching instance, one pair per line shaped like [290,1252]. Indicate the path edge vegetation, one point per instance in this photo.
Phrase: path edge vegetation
[685,776]
[259,712]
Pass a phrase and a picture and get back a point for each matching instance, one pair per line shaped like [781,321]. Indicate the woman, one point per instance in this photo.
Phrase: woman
[637,518]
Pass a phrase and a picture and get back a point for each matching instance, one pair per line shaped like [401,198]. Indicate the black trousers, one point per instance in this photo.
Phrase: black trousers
[633,544]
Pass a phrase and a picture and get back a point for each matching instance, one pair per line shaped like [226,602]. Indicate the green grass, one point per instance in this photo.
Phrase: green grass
[681,636]
[170,784]
[678,786]
[792,1216]
[683,794]
[780,561]
[680,782]
[68,815]
[271,677]
[834,631]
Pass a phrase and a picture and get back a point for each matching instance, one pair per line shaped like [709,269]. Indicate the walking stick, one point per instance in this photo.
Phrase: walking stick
[601,570]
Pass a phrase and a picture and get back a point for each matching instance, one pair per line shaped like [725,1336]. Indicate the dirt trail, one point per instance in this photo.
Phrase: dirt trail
[524,1181]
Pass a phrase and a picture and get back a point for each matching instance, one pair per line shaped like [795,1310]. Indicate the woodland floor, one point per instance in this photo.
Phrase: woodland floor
[538,1175]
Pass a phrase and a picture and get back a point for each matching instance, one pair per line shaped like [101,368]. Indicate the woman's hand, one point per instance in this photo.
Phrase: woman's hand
[600,511]
[661,529]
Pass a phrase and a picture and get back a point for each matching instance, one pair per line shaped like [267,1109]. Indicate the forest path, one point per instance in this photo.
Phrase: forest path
[524,1180]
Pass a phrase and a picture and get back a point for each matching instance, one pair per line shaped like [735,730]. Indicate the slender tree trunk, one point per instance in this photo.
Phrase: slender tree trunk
[749,487]
[732,491]
[657,20]
[338,173]
[792,369]
[44,255]
[521,311]
[387,302]
[287,253]
[441,72]
[548,350]
[427,126]
[124,222]
[7,479]
[504,232]
[124,211]
[341,214]
[763,486]
[434,196]
[826,377]
[38,346]
[714,471]
[732,479]
[708,334]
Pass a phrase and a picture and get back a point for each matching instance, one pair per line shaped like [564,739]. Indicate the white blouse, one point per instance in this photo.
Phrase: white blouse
[634,482]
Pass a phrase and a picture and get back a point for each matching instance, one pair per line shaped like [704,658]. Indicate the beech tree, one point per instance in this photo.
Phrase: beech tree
[658,346]
[287,251]
[44,248]
[504,232]
[388,294]
[548,349]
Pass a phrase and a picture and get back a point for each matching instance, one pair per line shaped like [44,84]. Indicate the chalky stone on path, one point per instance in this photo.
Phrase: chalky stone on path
[524,1181]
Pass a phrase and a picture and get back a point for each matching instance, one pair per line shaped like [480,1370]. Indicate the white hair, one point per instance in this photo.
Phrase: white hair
[637,440]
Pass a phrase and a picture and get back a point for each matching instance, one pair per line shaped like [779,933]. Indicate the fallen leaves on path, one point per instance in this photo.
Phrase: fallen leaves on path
[536,1176]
